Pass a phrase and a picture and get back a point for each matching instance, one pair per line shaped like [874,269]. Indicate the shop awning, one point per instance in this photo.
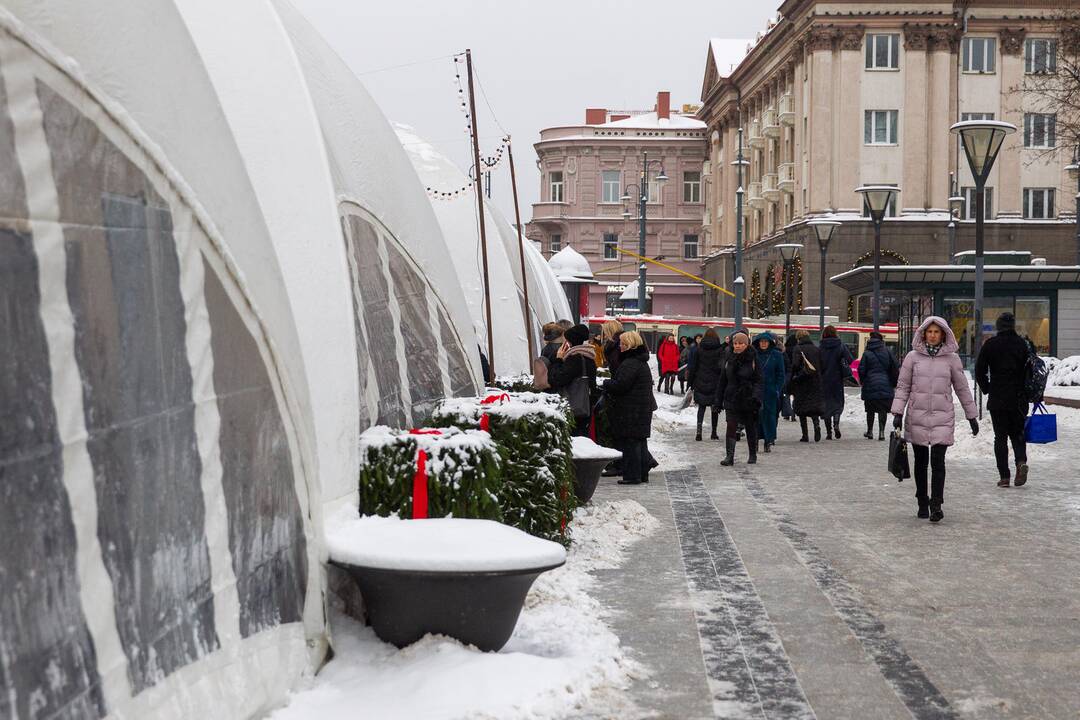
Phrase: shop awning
[861,279]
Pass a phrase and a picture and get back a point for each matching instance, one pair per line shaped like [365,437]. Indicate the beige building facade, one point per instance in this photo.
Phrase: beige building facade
[841,94]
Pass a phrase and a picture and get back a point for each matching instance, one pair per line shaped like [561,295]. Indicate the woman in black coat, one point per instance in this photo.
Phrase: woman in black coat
[805,384]
[574,362]
[785,401]
[630,406]
[739,391]
[835,369]
[878,373]
[704,376]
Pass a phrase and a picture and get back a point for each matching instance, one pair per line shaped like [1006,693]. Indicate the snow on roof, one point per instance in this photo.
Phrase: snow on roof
[650,120]
[570,265]
[727,53]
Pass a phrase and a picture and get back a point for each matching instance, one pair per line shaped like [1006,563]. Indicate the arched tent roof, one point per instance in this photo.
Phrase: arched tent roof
[457,218]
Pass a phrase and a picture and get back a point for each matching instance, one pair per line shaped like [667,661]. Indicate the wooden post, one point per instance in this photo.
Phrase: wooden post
[480,209]
[521,251]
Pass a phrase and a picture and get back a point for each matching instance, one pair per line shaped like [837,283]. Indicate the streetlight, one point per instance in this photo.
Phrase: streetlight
[823,229]
[1074,174]
[642,190]
[788,251]
[739,162]
[982,142]
[877,199]
[956,202]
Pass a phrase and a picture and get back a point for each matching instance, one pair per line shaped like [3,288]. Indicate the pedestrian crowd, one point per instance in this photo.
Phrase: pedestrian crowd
[754,381]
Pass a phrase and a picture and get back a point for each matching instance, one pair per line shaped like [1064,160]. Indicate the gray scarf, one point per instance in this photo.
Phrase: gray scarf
[933,350]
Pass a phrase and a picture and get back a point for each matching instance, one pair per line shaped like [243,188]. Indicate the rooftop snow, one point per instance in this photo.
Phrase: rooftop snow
[727,53]
[651,121]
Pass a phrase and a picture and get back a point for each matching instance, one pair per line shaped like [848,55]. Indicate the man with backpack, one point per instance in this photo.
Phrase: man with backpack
[1004,370]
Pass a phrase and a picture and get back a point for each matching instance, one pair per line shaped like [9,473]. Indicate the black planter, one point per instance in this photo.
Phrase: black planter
[587,475]
[477,608]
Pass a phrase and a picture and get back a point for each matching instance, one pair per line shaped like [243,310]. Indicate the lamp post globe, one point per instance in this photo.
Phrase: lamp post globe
[877,199]
[788,253]
[981,140]
[823,231]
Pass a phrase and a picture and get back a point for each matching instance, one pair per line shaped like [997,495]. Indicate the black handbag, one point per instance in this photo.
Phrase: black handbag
[899,465]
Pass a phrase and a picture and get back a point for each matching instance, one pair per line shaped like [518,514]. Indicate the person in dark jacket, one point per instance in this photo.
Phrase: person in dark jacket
[835,368]
[609,339]
[805,384]
[739,390]
[553,340]
[575,360]
[771,362]
[630,408]
[878,373]
[704,376]
[1000,371]
[685,347]
[785,401]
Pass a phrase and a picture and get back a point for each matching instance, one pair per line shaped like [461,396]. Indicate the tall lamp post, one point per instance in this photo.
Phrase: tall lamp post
[788,252]
[982,142]
[823,230]
[877,199]
[956,201]
[1073,169]
[642,190]
[739,162]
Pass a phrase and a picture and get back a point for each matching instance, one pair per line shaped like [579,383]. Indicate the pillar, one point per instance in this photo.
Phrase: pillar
[820,46]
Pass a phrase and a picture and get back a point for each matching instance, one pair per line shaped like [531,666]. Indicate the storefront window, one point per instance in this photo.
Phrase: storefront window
[959,312]
[1033,320]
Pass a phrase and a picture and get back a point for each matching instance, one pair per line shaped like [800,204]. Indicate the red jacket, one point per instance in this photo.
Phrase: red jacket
[668,356]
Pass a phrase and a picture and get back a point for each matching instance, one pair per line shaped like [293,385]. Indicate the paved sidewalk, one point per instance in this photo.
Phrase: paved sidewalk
[806,587]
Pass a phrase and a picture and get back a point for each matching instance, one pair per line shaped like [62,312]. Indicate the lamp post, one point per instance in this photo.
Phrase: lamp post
[788,251]
[642,190]
[956,201]
[739,162]
[982,142]
[1073,169]
[877,199]
[823,230]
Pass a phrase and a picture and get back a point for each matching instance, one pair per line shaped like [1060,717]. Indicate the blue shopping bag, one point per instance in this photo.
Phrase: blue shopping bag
[1041,426]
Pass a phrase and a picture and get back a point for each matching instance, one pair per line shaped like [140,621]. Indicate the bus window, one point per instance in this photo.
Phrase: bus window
[852,341]
[689,331]
[628,326]
[595,329]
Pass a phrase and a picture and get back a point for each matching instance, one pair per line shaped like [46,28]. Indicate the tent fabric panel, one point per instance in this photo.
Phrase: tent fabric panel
[266,528]
[462,383]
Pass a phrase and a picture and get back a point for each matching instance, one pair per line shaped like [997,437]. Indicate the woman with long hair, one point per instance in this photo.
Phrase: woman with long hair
[706,363]
[835,369]
[805,384]
[630,408]
[739,391]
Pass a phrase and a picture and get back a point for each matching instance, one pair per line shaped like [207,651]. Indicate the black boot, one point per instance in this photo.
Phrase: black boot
[715,418]
[869,434]
[730,459]
[768,446]
[935,511]
[836,427]
[817,430]
[802,424]
[924,507]
[752,460]
[698,436]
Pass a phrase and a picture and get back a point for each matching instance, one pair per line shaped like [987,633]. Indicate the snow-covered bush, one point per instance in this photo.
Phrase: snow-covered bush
[522,382]
[1064,372]
[463,469]
[532,431]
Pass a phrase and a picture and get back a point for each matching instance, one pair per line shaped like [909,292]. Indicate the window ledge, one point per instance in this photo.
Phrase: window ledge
[881,144]
[978,72]
[882,69]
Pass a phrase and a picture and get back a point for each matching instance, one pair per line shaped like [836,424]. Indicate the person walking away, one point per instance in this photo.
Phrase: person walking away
[805,384]
[630,408]
[667,360]
[740,391]
[1000,372]
[929,376]
[771,362]
[835,369]
[553,340]
[878,373]
[576,361]
[609,339]
[785,401]
[704,376]
[684,362]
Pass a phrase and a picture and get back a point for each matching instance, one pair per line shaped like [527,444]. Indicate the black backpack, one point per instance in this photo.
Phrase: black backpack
[1035,375]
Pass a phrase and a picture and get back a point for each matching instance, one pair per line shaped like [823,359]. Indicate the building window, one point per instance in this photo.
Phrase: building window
[890,210]
[656,194]
[979,54]
[556,243]
[610,182]
[1040,56]
[1040,130]
[611,244]
[964,117]
[1039,203]
[555,185]
[881,127]
[968,211]
[690,247]
[882,52]
[691,187]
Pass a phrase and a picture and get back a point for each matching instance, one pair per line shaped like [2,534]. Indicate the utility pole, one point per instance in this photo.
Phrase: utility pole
[480,211]
[521,250]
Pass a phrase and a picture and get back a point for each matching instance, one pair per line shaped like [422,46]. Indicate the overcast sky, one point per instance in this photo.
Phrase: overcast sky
[541,63]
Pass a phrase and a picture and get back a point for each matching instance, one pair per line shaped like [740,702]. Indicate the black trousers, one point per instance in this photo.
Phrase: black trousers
[934,456]
[1009,426]
[750,425]
[701,415]
[636,459]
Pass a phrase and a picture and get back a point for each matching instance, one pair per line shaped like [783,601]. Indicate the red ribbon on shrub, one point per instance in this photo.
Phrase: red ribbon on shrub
[420,477]
[485,419]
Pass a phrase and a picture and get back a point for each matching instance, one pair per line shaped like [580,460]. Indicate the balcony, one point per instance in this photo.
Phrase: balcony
[549,211]
[787,177]
[770,125]
[787,109]
[756,139]
[754,197]
[769,188]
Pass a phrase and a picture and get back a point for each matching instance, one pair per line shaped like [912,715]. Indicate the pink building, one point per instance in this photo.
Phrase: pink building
[585,172]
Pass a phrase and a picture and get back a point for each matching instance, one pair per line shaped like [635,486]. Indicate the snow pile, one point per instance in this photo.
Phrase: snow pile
[512,407]
[586,449]
[437,544]
[1064,372]
[560,658]
[446,448]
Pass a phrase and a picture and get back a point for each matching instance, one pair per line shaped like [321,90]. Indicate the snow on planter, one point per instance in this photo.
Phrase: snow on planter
[586,449]
[532,431]
[458,469]
[590,460]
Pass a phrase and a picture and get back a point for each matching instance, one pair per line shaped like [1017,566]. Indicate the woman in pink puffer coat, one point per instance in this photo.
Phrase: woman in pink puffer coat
[929,376]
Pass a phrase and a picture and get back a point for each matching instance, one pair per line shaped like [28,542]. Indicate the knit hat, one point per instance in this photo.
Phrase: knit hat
[577,335]
[1006,321]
